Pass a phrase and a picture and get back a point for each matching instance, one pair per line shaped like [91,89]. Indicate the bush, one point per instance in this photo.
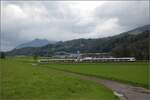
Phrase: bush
[2,55]
[35,56]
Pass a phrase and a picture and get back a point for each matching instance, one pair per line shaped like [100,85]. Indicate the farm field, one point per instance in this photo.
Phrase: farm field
[135,73]
[23,80]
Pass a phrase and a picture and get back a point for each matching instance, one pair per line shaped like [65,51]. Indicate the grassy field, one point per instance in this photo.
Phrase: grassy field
[134,73]
[23,80]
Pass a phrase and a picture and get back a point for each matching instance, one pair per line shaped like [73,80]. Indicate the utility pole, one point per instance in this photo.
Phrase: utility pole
[78,55]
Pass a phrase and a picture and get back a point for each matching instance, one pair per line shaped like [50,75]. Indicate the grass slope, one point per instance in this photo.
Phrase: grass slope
[21,80]
[135,73]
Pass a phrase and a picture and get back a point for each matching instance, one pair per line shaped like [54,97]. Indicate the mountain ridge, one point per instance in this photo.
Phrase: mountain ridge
[124,44]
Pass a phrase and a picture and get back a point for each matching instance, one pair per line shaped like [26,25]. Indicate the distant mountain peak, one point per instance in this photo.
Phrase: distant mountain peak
[34,43]
[38,39]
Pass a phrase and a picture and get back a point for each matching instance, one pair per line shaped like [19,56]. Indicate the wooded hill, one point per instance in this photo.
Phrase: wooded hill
[134,43]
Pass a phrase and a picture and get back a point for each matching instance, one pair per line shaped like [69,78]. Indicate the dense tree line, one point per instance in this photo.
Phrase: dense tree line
[135,46]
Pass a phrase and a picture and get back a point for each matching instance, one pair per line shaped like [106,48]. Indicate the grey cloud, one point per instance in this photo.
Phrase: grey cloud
[24,21]
[131,14]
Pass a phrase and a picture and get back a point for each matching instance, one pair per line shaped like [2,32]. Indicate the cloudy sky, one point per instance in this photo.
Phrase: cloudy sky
[22,21]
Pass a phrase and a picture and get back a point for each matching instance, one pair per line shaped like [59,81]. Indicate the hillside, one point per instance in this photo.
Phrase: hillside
[122,45]
[139,30]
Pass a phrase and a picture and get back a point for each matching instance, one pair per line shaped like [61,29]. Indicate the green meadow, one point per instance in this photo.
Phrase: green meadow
[21,79]
[135,73]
